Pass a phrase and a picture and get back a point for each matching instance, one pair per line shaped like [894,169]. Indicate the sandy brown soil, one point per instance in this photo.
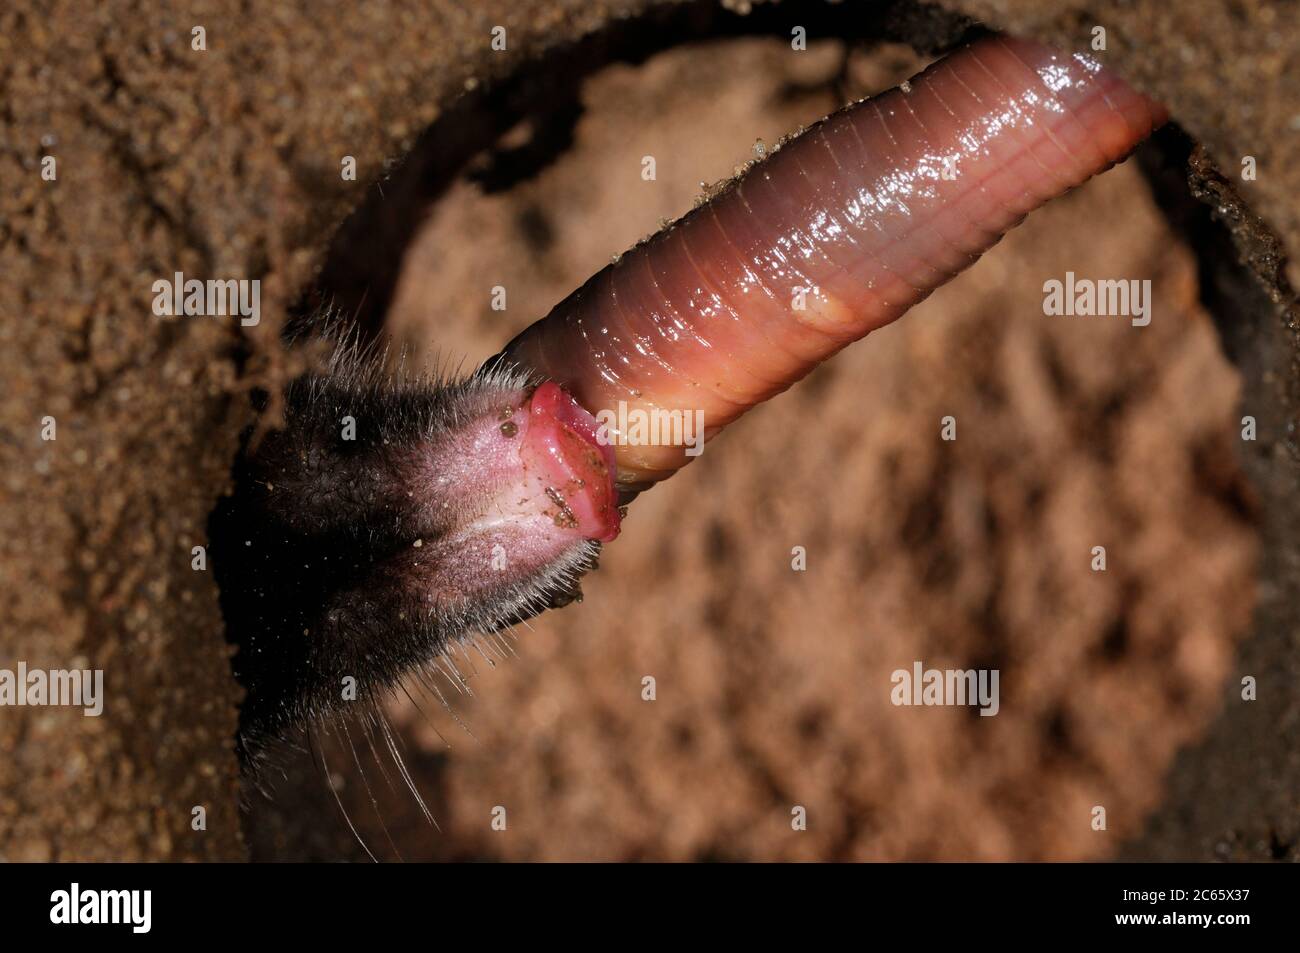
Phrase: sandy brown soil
[771,684]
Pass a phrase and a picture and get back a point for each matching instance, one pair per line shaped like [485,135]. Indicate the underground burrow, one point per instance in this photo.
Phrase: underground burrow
[773,683]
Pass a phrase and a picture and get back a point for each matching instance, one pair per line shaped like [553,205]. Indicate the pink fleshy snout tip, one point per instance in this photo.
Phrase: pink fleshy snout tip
[562,450]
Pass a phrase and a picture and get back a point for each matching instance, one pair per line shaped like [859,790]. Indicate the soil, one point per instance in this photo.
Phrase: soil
[1120,689]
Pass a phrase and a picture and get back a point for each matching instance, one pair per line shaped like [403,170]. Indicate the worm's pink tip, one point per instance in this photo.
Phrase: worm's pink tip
[563,450]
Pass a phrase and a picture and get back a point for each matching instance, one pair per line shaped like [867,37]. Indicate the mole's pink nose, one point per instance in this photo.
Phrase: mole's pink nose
[563,454]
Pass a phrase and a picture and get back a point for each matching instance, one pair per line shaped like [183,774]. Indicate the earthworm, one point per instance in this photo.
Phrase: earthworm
[842,230]
[390,521]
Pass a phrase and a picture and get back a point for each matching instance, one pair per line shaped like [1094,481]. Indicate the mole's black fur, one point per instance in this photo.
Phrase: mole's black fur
[318,550]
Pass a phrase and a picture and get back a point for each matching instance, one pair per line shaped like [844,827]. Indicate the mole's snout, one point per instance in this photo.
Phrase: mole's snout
[533,468]
[388,521]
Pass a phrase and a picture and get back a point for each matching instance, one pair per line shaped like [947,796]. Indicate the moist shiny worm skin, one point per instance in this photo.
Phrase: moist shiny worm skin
[839,232]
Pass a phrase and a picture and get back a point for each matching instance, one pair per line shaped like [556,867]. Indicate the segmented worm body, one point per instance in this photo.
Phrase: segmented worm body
[839,232]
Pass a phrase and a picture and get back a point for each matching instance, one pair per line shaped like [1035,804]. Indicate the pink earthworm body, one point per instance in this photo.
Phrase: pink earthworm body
[840,231]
